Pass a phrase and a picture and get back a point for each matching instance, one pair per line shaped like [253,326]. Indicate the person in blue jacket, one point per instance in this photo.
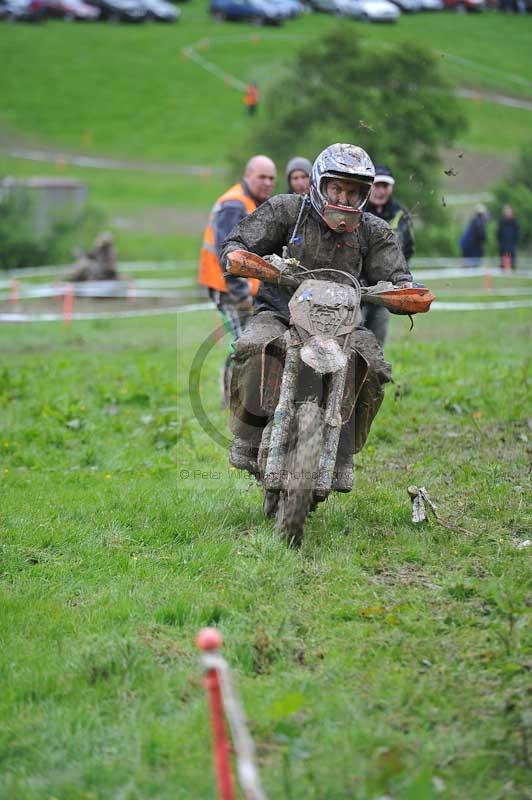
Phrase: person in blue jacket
[473,239]
[508,233]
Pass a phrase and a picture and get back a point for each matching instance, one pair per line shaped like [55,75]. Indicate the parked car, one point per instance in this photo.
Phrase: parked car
[161,10]
[250,10]
[70,10]
[275,11]
[327,6]
[369,10]
[120,10]
[290,9]
[408,6]
[465,5]
[21,10]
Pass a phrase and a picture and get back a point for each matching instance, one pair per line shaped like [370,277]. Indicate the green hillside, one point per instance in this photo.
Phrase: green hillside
[129,90]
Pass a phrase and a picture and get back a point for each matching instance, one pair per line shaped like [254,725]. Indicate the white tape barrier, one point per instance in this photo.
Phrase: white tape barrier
[504,291]
[421,262]
[505,305]
[60,270]
[101,291]
[138,292]
[88,315]
[466,272]
[198,307]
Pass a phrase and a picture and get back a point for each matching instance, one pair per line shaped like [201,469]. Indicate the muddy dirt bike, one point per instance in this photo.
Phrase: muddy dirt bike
[309,394]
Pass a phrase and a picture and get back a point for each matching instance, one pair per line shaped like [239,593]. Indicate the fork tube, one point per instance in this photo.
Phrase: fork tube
[333,426]
[281,421]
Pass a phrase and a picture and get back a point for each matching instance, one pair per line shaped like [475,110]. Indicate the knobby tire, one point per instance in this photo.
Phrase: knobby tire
[296,500]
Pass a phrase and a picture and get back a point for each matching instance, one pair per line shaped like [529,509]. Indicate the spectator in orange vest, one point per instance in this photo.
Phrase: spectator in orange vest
[251,98]
[233,296]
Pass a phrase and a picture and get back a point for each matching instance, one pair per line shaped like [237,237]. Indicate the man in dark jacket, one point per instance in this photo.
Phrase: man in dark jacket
[473,239]
[330,229]
[508,234]
[383,205]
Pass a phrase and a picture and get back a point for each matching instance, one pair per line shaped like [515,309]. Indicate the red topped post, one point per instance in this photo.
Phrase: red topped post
[209,640]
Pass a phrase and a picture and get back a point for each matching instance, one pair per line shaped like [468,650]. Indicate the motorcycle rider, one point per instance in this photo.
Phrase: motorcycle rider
[327,229]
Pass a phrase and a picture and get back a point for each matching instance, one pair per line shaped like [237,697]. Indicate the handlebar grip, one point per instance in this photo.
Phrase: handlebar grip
[410,300]
[243,264]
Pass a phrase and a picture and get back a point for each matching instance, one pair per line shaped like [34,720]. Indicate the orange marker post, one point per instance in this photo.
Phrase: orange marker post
[14,292]
[68,304]
[488,281]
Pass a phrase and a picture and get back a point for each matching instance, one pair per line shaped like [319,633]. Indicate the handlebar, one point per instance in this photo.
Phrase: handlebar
[407,300]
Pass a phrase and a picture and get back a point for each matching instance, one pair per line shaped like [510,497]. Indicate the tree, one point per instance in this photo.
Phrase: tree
[20,246]
[393,102]
[516,190]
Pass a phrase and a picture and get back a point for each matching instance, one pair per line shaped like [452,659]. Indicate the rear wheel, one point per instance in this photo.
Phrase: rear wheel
[296,501]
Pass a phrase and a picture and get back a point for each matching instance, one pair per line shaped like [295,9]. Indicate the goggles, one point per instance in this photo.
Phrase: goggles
[342,219]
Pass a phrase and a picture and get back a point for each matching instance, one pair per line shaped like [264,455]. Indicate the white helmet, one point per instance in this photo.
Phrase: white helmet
[347,162]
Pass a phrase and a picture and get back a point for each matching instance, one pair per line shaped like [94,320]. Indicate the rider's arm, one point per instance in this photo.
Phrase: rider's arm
[405,233]
[383,259]
[266,230]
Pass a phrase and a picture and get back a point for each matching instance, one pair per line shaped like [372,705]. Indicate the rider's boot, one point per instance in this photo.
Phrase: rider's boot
[343,474]
[243,455]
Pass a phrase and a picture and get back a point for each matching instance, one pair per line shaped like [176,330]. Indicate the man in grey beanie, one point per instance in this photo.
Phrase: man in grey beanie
[297,173]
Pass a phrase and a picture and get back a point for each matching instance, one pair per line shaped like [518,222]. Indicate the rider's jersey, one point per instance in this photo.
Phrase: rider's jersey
[371,253]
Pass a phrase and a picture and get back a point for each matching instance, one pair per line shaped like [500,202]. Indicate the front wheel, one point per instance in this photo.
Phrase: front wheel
[271,503]
[296,499]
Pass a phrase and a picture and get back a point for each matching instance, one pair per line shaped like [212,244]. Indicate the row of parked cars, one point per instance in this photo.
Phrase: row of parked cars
[114,10]
[275,12]
[263,12]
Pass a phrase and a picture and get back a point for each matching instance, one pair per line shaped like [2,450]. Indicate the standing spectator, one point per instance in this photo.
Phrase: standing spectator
[508,238]
[297,174]
[251,98]
[383,205]
[233,296]
[473,239]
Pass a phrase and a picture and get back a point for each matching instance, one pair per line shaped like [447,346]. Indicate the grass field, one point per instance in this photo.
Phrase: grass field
[382,659]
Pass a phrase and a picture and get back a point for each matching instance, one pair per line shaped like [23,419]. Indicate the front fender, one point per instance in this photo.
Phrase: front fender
[323,355]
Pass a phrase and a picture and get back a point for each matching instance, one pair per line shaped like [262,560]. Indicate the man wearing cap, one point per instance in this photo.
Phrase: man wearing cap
[383,205]
[297,174]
